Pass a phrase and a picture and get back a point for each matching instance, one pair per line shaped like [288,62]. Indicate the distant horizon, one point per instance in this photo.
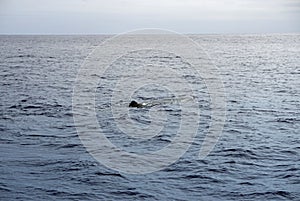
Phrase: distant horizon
[96,34]
[93,17]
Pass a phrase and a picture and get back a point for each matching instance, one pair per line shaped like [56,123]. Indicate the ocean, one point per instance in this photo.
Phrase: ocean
[257,156]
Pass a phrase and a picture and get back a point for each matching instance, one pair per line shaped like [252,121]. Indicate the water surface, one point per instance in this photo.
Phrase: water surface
[256,158]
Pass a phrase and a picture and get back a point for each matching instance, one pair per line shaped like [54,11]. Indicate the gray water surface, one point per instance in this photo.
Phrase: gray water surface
[256,158]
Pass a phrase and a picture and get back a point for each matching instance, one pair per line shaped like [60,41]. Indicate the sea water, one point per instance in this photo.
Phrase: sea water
[257,157]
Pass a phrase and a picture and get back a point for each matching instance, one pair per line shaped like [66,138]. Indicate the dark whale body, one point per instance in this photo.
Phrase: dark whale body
[135,104]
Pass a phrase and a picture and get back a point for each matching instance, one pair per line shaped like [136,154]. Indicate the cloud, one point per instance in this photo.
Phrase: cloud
[113,14]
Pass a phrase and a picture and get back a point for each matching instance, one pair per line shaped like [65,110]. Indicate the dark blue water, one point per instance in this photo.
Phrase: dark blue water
[256,158]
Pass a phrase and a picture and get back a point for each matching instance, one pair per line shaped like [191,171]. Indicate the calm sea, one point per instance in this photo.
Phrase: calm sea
[257,156]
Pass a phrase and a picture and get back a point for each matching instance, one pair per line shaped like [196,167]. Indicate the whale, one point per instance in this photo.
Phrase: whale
[135,104]
[161,101]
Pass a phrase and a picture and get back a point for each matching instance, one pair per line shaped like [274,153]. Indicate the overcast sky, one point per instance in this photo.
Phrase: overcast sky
[116,16]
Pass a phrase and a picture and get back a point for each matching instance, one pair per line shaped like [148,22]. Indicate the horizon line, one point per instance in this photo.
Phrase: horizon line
[187,33]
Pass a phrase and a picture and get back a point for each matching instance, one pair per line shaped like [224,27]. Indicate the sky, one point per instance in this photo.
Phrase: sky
[117,16]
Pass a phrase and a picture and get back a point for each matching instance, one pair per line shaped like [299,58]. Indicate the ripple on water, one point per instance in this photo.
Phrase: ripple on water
[256,158]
